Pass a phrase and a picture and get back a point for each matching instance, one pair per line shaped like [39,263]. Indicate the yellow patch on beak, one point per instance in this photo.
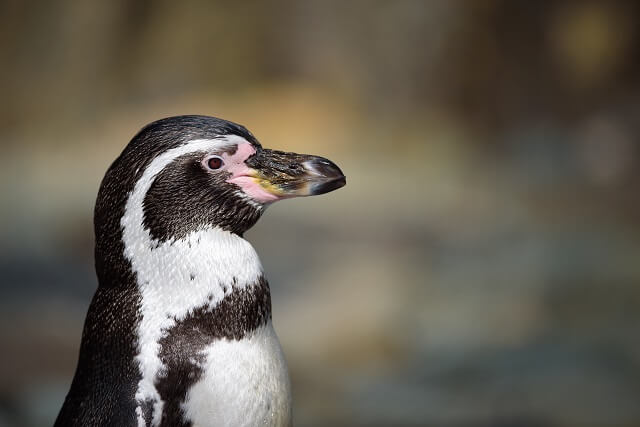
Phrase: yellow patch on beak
[268,186]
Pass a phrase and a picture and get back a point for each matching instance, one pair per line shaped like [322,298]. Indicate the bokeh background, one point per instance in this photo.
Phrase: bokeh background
[480,268]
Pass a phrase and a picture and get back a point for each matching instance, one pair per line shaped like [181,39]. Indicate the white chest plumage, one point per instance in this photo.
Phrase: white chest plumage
[243,382]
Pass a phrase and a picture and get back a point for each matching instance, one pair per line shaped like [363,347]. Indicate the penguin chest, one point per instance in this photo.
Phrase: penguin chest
[243,383]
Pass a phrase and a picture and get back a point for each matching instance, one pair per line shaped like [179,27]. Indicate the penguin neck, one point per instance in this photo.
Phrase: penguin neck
[176,277]
[210,259]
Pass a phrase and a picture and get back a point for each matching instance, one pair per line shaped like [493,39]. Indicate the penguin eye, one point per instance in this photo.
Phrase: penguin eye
[214,162]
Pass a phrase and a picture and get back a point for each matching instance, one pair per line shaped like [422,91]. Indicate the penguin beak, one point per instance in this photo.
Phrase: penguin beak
[286,175]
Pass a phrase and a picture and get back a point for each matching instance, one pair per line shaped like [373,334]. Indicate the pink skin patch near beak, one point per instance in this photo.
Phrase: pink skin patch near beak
[243,176]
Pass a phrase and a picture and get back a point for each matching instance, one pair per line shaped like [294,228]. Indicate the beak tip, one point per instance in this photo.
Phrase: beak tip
[329,185]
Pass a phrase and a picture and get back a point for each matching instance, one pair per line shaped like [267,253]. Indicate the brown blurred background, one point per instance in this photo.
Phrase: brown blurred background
[481,267]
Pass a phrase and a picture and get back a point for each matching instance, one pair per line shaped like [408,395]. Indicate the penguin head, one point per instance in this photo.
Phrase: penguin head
[188,173]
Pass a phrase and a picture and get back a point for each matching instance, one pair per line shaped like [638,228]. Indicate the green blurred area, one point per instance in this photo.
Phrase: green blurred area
[480,268]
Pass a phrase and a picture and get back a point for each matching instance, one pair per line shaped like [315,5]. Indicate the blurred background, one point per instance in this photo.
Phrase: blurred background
[480,268]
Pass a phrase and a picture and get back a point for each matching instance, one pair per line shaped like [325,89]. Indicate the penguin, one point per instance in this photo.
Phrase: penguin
[179,331]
